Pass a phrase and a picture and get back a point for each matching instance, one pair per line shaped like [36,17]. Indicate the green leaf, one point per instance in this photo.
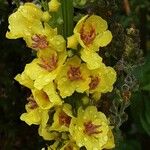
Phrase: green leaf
[146,88]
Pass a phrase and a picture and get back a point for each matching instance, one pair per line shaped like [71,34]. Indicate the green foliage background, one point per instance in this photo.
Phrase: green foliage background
[16,135]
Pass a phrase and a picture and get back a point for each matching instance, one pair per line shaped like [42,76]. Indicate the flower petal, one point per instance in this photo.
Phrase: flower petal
[92,59]
[103,39]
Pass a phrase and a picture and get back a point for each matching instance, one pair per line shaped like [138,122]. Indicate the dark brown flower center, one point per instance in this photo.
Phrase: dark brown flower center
[39,41]
[94,82]
[90,128]
[74,73]
[49,64]
[64,119]
[87,36]
[31,102]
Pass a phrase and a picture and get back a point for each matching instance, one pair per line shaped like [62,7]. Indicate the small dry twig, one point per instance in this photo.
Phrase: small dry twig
[127,7]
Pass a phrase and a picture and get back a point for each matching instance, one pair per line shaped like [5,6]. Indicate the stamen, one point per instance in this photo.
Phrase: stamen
[64,119]
[39,41]
[87,36]
[50,64]
[74,73]
[94,82]
[32,103]
[91,128]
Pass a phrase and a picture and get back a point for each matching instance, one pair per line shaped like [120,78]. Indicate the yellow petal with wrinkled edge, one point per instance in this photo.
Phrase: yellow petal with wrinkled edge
[65,88]
[25,80]
[103,39]
[92,59]
[79,24]
[34,71]
[110,143]
[31,11]
[72,42]
[44,80]
[25,18]
[32,117]
[45,117]
[50,89]
[99,24]
[58,43]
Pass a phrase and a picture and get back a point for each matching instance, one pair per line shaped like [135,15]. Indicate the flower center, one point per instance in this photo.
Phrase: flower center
[49,64]
[91,128]
[64,119]
[94,82]
[39,41]
[69,147]
[87,36]
[74,73]
[45,96]
[31,102]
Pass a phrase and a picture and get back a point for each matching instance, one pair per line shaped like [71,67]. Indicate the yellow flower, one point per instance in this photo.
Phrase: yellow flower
[23,20]
[27,23]
[45,68]
[73,77]
[91,32]
[54,5]
[102,80]
[90,128]
[62,118]
[34,115]
[47,97]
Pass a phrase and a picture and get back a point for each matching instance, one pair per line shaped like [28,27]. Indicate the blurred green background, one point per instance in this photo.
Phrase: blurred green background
[16,135]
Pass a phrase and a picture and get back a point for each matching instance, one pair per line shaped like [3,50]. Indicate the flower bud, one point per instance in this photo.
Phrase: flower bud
[54,5]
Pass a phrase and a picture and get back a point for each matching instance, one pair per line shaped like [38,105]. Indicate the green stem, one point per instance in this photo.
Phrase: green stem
[67,12]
